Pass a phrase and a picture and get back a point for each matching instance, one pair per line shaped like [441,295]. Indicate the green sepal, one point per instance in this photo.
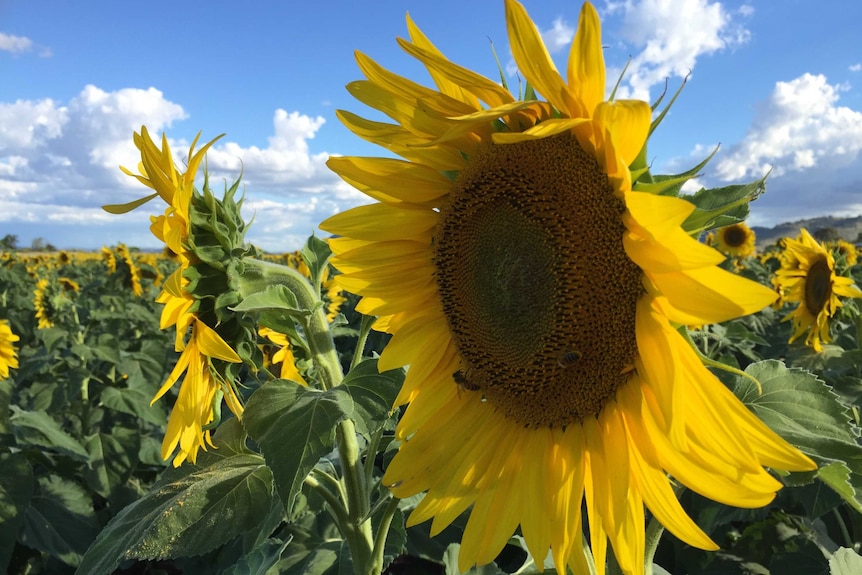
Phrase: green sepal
[294,427]
[669,185]
[719,207]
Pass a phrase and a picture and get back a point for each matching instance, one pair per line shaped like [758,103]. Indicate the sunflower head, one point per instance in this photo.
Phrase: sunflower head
[844,253]
[736,240]
[808,276]
[533,283]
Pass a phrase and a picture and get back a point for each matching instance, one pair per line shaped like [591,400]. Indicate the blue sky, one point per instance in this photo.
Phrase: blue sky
[777,84]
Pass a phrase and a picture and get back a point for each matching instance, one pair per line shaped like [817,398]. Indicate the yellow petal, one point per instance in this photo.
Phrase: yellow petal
[382,222]
[586,71]
[124,208]
[212,344]
[444,84]
[676,251]
[396,179]
[628,121]
[535,63]
[711,294]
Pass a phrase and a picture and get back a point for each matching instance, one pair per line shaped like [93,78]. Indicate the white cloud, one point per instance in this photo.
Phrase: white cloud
[671,35]
[60,162]
[811,144]
[21,44]
[14,44]
[856,67]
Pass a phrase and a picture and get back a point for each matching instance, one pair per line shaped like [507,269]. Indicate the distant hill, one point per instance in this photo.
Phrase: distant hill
[848,229]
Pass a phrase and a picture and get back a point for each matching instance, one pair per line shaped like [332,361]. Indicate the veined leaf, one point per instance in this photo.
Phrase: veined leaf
[294,428]
[16,489]
[373,394]
[807,413]
[187,515]
[39,429]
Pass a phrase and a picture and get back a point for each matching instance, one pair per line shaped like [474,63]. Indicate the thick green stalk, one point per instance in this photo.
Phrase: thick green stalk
[257,275]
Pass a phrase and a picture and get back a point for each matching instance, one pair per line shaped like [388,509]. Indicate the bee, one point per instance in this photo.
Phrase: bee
[569,358]
[463,383]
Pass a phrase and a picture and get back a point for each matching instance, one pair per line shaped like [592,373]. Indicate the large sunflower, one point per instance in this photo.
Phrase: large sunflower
[8,352]
[807,276]
[737,240]
[534,294]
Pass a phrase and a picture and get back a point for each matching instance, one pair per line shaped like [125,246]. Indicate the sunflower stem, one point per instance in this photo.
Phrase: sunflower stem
[382,533]
[256,277]
[653,535]
[364,329]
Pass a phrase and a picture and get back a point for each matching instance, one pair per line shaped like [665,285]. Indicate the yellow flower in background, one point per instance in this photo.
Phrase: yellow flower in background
[737,240]
[157,172]
[109,259]
[41,301]
[534,293]
[69,284]
[134,279]
[807,276]
[843,249]
[193,410]
[8,350]
[283,356]
[63,258]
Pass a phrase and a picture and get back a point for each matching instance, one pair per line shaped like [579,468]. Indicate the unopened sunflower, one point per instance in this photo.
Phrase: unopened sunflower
[807,276]
[736,240]
[534,293]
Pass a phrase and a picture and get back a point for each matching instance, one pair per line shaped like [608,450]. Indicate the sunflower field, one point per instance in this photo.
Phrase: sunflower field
[527,353]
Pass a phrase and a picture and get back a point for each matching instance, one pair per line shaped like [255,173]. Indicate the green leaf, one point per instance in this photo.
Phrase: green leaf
[316,253]
[260,560]
[185,516]
[272,297]
[113,457]
[16,489]
[60,520]
[719,207]
[134,401]
[39,429]
[373,394]
[807,413]
[845,562]
[294,428]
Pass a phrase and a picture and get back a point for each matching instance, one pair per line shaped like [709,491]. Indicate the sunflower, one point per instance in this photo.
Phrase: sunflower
[68,284]
[807,276]
[843,249]
[283,356]
[194,412]
[109,259]
[8,351]
[42,303]
[737,240]
[134,278]
[534,293]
